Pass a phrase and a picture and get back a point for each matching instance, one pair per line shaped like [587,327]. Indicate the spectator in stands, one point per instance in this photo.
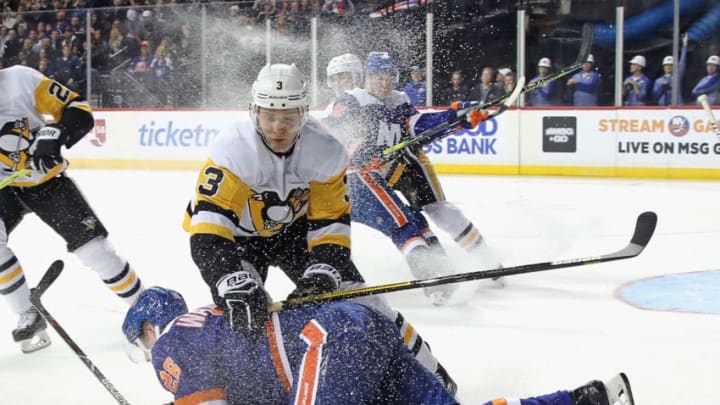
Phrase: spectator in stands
[67,69]
[662,88]
[77,26]
[13,44]
[60,22]
[509,78]
[267,13]
[585,84]
[149,29]
[637,86]
[141,64]
[297,21]
[161,64]
[457,91]
[99,52]
[547,94]
[68,38]
[116,42]
[56,42]
[417,88]
[340,7]
[500,76]
[486,90]
[710,84]
[44,68]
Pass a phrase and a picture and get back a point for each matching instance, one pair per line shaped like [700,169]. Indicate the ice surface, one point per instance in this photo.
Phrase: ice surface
[542,332]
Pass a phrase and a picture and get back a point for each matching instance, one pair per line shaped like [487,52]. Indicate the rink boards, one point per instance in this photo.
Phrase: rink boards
[608,142]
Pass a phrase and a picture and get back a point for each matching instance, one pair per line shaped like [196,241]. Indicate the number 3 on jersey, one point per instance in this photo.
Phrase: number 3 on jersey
[213,178]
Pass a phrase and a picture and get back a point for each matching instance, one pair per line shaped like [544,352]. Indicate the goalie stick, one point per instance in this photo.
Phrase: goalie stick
[505,101]
[644,228]
[35,298]
[703,100]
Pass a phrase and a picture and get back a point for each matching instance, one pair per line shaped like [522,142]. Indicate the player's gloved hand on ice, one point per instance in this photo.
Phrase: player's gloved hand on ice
[319,278]
[472,119]
[45,150]
[246,300]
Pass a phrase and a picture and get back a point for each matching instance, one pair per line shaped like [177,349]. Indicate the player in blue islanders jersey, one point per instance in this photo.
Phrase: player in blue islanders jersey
[273,192]
[28,141]
[374,118]
[333,353]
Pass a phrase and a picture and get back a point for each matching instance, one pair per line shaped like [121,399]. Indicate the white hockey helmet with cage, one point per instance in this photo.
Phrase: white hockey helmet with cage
[346,63]
[279,87]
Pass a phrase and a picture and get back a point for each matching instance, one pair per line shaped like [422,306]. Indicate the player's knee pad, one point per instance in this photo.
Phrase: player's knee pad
[447,216]
[99,255]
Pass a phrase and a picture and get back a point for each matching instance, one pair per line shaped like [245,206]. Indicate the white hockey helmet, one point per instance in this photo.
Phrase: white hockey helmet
[346,63]
[713,60]
[590,59]
[638,60]
[544,62]
[668,60]
[279,87]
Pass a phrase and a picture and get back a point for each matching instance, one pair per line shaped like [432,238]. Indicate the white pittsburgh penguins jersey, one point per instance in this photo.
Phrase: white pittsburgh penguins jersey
[244,189]
[30,100]
[388,133]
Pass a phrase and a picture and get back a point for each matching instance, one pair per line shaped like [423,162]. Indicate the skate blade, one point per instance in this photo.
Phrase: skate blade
[41,340]
[619,392]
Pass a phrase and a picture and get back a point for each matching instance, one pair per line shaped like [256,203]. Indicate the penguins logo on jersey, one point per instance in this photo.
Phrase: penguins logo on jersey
[14,142]
[270,213]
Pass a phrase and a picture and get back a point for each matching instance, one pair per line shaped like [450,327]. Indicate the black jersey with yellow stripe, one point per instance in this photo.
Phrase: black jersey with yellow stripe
[32,100]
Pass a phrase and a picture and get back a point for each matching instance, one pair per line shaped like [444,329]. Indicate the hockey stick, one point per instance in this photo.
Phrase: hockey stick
[35,295]
[11,178]
[703,100]
[506,100]
[644,229]
[427,134]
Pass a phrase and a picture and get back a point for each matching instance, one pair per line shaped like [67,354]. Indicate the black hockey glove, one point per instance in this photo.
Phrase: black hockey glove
[318,278]
[45,150]
[245,299]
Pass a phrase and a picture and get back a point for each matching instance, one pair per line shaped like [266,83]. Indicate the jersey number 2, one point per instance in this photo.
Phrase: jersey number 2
[170,375]
[59,92]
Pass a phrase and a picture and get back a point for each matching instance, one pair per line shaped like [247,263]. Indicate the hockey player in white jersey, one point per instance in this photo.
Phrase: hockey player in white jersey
[377,117]
[27,141]
[344,72]
[273,193]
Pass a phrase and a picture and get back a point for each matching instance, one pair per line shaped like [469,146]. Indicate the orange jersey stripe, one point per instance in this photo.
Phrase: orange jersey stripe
[201,397]
[315,336]
[387,201]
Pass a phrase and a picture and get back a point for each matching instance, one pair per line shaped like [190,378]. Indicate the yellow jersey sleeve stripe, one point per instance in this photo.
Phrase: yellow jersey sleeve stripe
[342,240]
[328,200]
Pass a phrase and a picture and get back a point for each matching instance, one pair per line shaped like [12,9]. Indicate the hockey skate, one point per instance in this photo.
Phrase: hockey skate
[615,391]
[445,379]
[30,331]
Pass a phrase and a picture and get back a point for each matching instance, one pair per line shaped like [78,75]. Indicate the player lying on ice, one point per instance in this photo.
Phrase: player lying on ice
[332,353]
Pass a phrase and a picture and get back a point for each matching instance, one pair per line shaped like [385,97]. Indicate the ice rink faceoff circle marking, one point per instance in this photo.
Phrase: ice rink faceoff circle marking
[695,292]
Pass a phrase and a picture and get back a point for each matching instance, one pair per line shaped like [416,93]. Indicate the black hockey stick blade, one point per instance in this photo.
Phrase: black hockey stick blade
[48,278]
[644,229]
[586,43]
[36,293]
